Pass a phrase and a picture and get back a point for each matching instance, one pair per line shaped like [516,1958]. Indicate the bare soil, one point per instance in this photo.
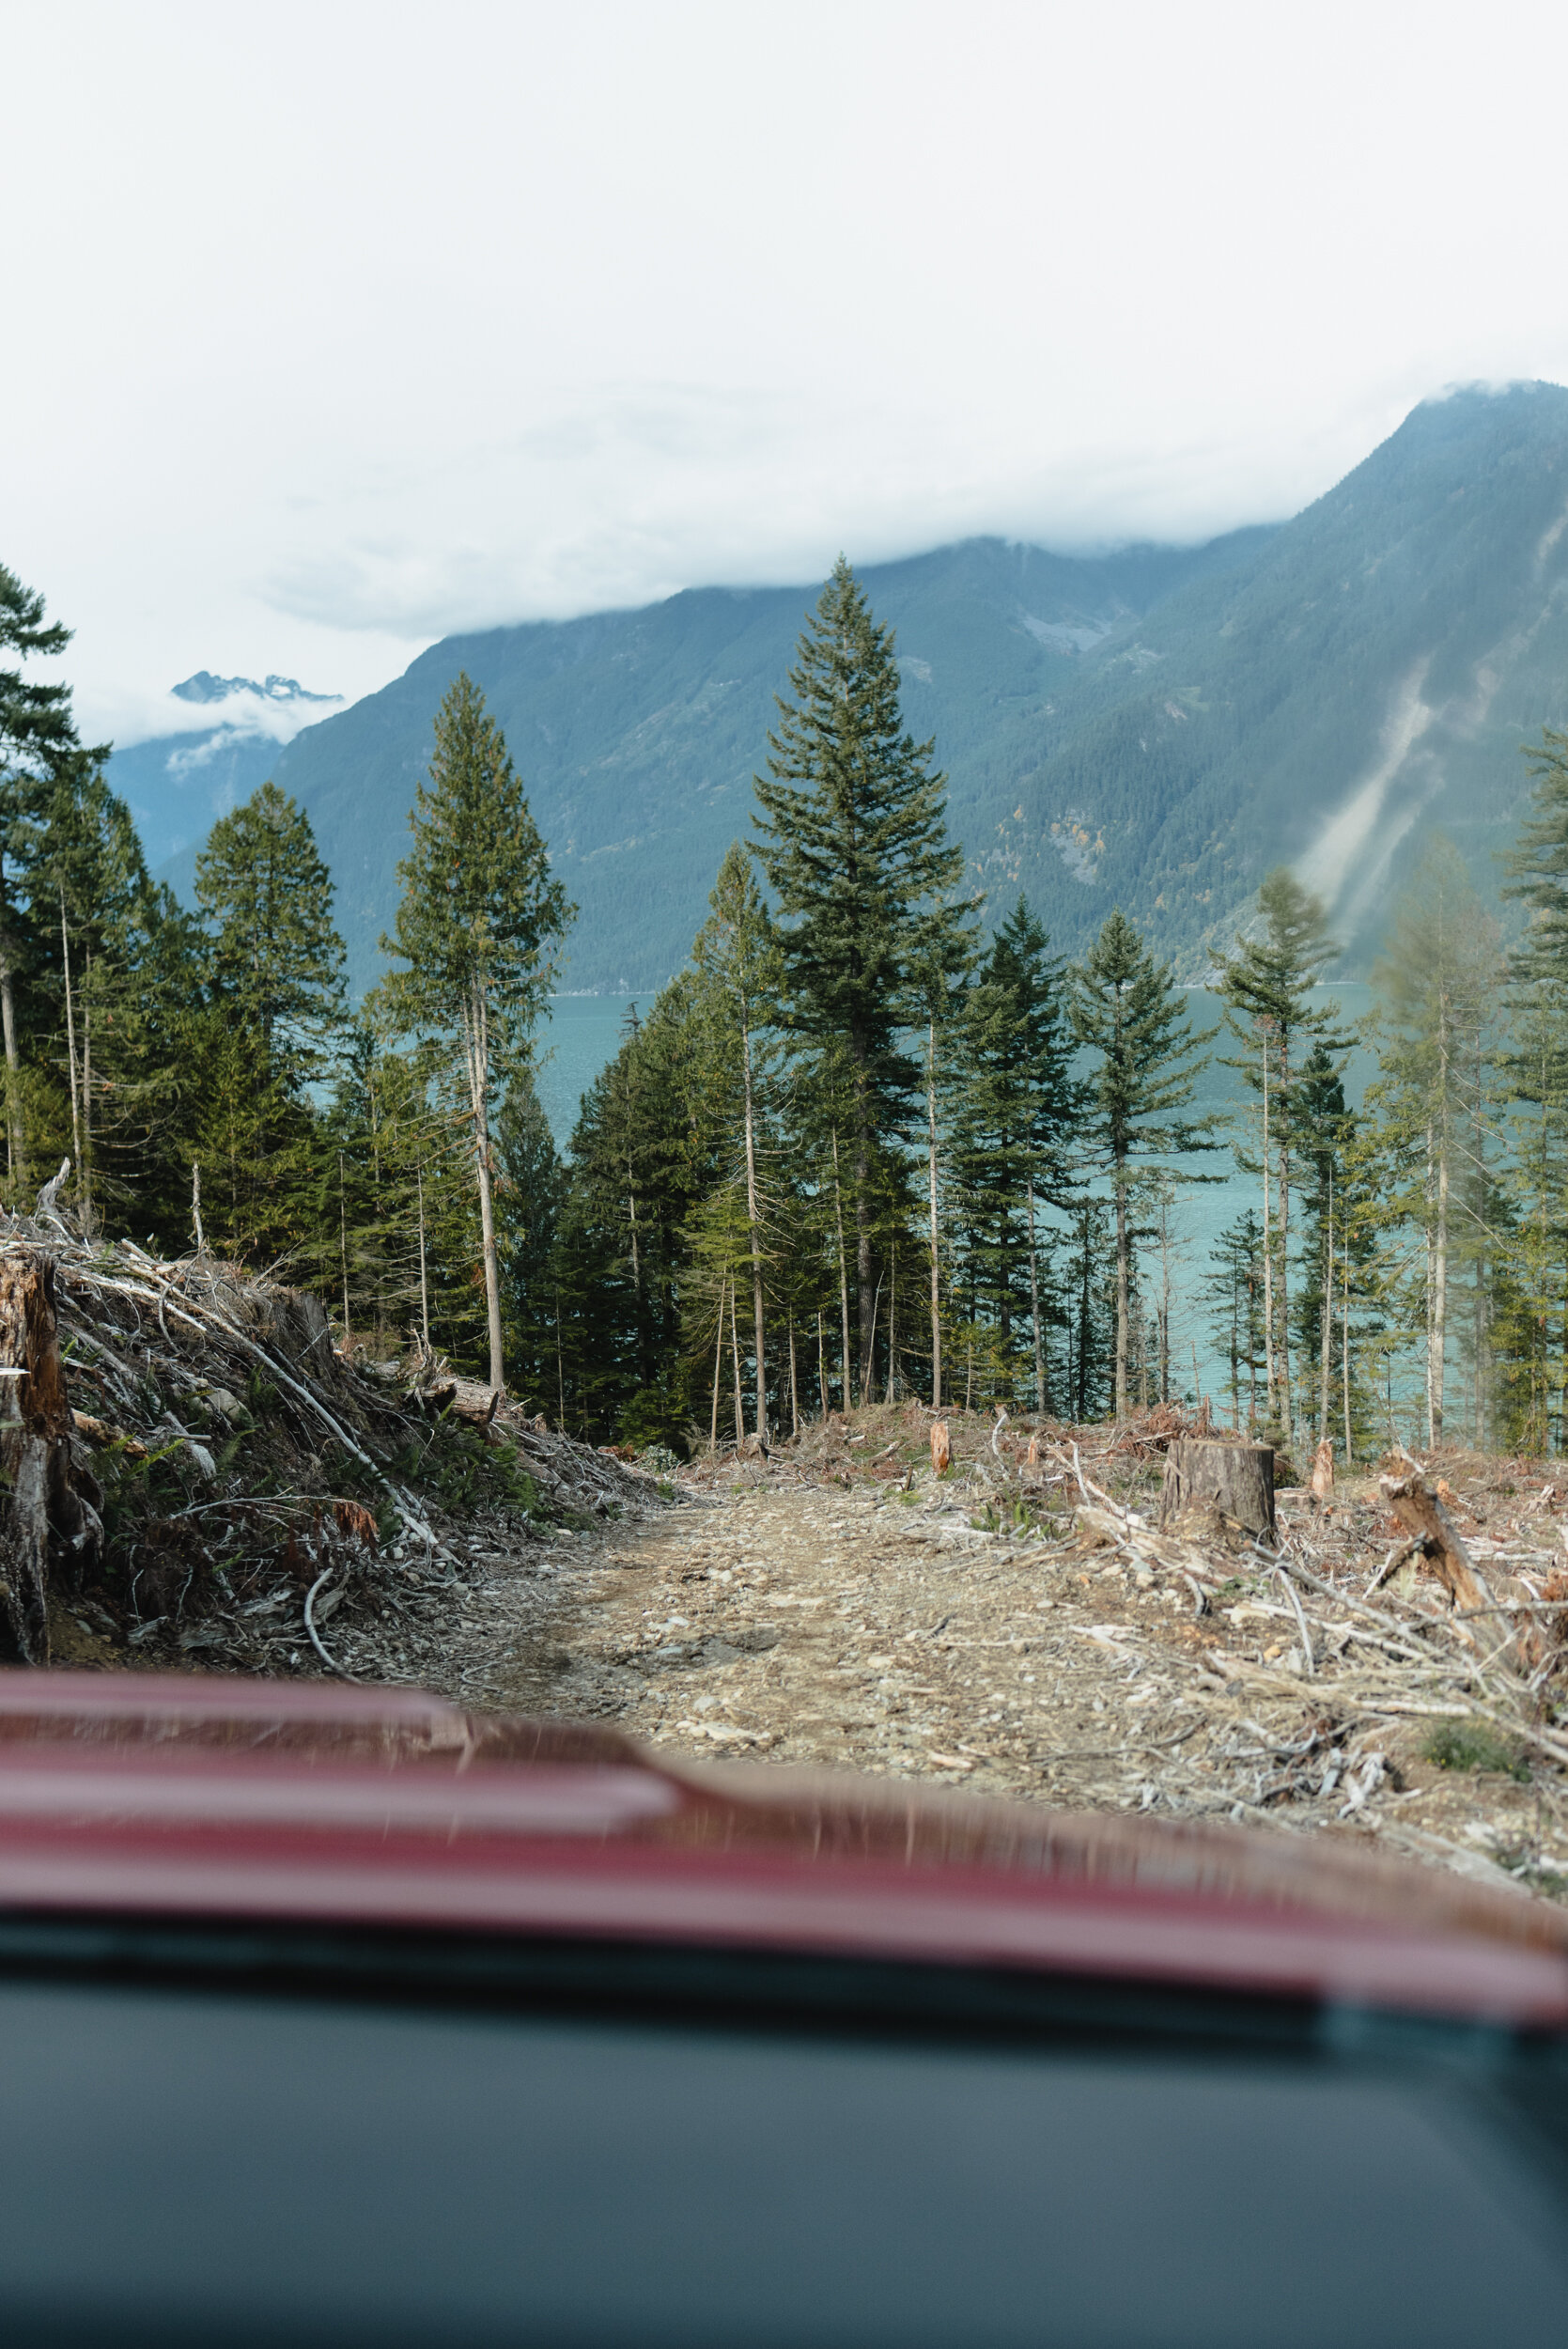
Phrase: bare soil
[1019,1623]
[807,1610]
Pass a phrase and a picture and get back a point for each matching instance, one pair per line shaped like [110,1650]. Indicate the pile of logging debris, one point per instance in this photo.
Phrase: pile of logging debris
[192,1470]
[1383,1651]
[1431,1633]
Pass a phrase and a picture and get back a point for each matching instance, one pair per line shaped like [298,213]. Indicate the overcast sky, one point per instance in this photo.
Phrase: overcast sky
[334,328]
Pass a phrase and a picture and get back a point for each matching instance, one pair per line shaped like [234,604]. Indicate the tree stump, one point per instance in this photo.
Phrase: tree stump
[1224,1473]
[1418,1509]
[46,1510]
[942,1450]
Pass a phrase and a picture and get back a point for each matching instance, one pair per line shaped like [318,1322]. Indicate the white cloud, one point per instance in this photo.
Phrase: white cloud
[141,717]
[545,309]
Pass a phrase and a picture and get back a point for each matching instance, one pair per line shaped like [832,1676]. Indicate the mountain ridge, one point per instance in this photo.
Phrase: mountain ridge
[1154,728]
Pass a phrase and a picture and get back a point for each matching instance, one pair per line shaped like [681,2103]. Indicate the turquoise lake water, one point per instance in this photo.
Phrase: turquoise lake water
[584,1032]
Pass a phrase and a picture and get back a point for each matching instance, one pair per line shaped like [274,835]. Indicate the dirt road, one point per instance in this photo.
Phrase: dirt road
[881,1630]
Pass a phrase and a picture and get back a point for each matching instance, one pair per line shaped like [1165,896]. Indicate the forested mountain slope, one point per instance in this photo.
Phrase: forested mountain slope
[1154,729]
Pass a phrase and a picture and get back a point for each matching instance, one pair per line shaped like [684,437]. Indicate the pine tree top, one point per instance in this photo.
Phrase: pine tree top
[480,919]
[852,836]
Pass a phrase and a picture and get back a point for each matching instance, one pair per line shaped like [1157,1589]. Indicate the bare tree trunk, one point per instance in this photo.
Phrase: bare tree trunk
[70,1049]
[1235,1353]
[424,1283]
[754,1226]
[1165,1304]
[1286,1421]
[15,1164]
[1120,1291]
[476,1035]
[717,1365]
[1344,1346]
[85,1161]
[1267,1249]
[1437,1342]
[865,1297]
[15,1158]
[1035,1305]
[862,1273]
[822,1366]
[794,1384]
[735,1366]
[936,1254]
[843,1277]
[892,1396]
[343,1251]
[1325,1334]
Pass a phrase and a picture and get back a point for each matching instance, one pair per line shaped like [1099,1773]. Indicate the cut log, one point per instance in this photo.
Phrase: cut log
[465,1398]
[1221,1473]
[51,1509]
[1423,1517]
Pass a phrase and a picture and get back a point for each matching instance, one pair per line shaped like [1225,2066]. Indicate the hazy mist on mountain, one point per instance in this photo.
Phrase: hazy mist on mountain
[1152,728]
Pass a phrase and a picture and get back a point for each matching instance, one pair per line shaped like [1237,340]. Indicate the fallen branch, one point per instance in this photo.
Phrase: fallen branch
[331,1662]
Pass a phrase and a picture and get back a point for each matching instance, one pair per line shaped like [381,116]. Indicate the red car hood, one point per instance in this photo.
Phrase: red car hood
[304,1801]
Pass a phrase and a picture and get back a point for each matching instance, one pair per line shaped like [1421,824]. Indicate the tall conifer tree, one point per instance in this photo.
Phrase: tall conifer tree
[275,1003]
[38,746]
[478,928]
[736,954]
[1438,980]
[1017,1106]
[853,838]
[1268,986]
[1128,1010]
[275,957]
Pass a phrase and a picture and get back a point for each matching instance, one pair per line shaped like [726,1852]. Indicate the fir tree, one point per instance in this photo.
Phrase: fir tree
[479,928]
[736,956]
[530,1190]
[1234,1292]
[1323,1127]
[1016,1110]
[275,958]
[1127,1008]
[853,840]
[120,969]
[274,1005]
[39,746]
[1268,986]
[1539,865]
[1439,980]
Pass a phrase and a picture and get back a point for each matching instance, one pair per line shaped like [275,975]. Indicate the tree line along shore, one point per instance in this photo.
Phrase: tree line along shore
[862,1146]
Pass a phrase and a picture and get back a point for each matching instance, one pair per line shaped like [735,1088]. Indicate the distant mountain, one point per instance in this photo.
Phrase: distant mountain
[638,732]
[205,686]
[178,785]
[1152,728]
